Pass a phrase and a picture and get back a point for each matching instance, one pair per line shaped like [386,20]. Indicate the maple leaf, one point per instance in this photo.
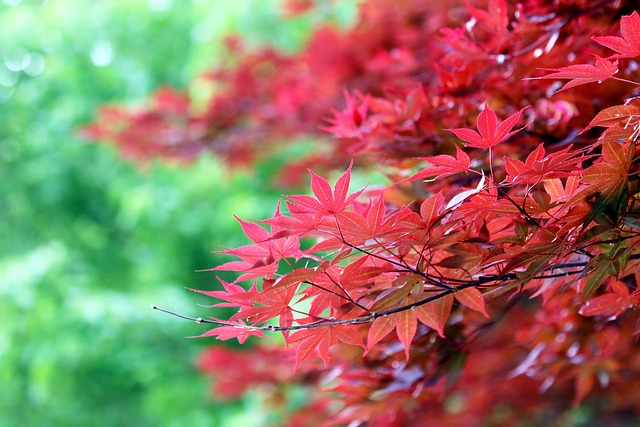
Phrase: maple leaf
[613,303]
[321,340]
[626,116]
[472,298]
[444,165]
[490,132]
[581,74]
[627,46]
[431,208]
[262,258]
[237,329]
[328,201]
[234,294]
[608,175]
[272,302]
[348,123]
[537,166]
[433,314]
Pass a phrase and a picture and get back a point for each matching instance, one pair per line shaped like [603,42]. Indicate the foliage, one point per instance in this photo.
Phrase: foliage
[496,285]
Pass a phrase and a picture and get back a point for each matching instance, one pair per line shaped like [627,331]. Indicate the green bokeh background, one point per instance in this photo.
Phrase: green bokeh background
[88,242]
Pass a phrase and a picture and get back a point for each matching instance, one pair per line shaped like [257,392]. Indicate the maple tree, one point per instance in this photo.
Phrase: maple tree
[494,280]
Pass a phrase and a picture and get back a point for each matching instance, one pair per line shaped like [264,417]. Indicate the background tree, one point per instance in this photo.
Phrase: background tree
[88,241]
[495,284]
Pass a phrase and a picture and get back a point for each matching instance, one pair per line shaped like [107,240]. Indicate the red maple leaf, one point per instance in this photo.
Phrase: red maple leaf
[618,300]
[610,173]
[321,340]
[472,298]
[348,123]
[328,201]
[627,46]
[490,132]
[263,256]
[581,74]
[538,166]
[444,165]
[433,314]
[238,329]
[272,302]
[234,294]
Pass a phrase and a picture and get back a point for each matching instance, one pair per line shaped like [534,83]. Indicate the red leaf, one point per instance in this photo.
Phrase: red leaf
[472,298]
[610,173]
[328,201]
[616,115]
[380,328]
[584,383]
[405,323]
[431,208]
[239,330]
[234,294]
[613,303]
[444,165]
[607,305]
[270,303]
[537,167]
[435,313]
[490,132]
[627,46]
[406,329]
[311,341]
[262,258]
[581,74]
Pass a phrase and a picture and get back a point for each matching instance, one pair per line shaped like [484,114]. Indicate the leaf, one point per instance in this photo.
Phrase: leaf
[610,304]
[380,328]
[610,174]
[234,294]
[328,201]
[584,383]
[600,268]
[537,167]
[581,74]
[606,179]
[494,18]
[627,46]
[444,165]
[490,132]
[431,208]
[321,340]
[616,115]
[239,330]
[298,276]
[435,313]
[463,195]
[269,304]
[472,298]
[406,329]
[263,256]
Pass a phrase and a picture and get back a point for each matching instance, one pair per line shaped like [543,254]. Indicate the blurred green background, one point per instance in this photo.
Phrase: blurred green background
[88,242]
